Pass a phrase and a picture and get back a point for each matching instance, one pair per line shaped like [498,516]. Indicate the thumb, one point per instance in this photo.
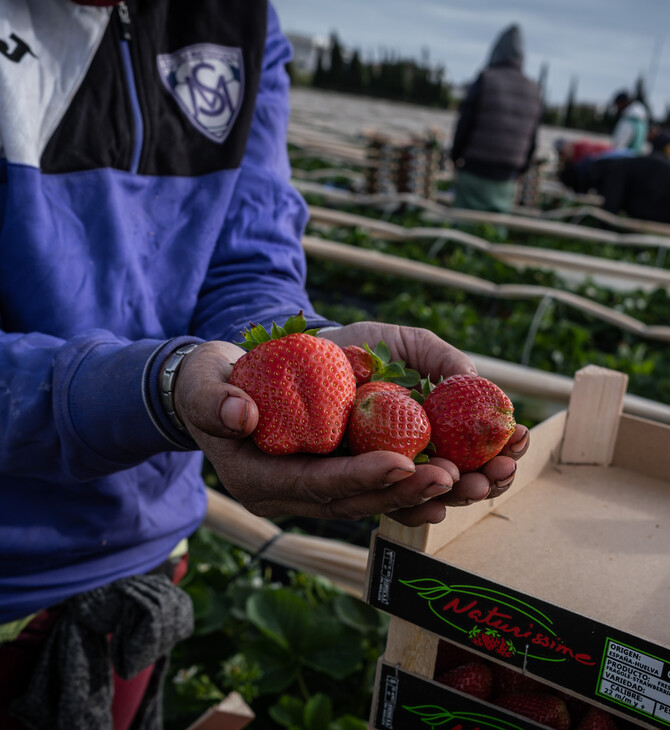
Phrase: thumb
[205,401]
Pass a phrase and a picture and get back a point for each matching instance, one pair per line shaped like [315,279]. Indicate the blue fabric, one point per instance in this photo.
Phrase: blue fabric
[99,271]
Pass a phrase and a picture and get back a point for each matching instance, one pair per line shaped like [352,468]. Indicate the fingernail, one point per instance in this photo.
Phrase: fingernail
[234,412]
[464,503]
[395,475]
[519,446]
[435,490]
[498,488]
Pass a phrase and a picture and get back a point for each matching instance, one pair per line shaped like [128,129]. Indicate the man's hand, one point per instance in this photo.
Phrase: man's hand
[433,357]
[218,416]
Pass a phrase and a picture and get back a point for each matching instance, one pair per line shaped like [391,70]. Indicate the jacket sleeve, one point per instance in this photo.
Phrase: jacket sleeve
[466,115]
[257,273]
[77,409]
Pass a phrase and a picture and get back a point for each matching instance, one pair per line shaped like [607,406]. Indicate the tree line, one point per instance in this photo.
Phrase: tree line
[419,82]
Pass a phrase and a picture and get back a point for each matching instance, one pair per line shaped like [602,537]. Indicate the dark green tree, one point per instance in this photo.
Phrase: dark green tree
[568,119]
[336,73]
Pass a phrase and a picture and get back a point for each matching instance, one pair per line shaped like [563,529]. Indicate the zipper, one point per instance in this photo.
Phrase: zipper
[123,14]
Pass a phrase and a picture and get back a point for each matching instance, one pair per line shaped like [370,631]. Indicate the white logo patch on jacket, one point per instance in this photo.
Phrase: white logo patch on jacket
[207,81]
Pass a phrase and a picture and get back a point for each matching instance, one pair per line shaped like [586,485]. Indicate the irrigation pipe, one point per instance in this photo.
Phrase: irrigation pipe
[514,255]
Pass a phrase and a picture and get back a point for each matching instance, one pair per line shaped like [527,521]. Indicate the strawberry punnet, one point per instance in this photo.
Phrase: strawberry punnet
[386,418]
[471,420]
[303,385]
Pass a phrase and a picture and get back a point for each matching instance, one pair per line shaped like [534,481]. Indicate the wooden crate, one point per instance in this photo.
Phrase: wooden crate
[567,575]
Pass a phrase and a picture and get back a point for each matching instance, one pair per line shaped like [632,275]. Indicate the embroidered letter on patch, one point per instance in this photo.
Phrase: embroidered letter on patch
[207,82]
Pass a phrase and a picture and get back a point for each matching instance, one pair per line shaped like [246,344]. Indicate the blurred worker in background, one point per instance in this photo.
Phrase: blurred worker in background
[497,127]
[632,126]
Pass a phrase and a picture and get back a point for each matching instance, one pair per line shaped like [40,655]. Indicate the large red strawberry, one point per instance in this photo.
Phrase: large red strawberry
[545,708]
[376,364]
[386,418]
[473,678]
[597,719]
[303,385]
[471,420]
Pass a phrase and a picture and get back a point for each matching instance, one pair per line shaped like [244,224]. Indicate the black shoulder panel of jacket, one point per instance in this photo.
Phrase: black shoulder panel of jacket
[98,129]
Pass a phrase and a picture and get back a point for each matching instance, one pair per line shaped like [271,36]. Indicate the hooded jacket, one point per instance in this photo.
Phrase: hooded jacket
[144,203]
[499,117]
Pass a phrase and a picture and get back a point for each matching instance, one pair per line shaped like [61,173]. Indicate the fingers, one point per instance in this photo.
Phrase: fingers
[420,348]
[518,443]
[347,487]
[205,401]
[500,472]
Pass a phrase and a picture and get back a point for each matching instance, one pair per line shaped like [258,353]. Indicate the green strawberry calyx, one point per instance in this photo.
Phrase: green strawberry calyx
[423,388]
[257,334]
[391,371]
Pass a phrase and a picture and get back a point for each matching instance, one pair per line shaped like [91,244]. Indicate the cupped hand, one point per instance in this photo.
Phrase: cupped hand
[424,351]
[219,416]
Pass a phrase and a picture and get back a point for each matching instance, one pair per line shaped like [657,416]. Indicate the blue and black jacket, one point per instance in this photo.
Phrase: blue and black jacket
[144,202]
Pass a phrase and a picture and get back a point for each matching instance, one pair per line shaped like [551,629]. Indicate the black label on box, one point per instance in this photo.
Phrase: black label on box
[406,702]
[615,669]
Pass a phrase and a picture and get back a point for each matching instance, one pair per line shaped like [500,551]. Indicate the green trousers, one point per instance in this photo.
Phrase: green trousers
[480,193]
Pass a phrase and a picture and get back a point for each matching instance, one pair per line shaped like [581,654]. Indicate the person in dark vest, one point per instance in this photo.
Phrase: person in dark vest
[497,127]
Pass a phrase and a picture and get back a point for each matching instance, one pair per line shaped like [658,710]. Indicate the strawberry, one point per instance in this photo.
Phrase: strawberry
[451,655]
[471,420]
[376,364]
[597,719]
[508,681]
[386,418]
[545,708]
[303,385]
[473,678]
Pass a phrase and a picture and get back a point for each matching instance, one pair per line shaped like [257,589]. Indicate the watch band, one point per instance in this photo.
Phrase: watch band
[167,383]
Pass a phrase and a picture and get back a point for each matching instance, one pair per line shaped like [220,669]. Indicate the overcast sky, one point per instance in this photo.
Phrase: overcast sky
[604,44]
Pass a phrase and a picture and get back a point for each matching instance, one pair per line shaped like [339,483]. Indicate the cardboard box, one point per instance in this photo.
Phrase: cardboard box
[565,578]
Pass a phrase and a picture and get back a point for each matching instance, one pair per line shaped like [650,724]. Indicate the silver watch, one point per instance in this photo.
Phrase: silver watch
[167,383]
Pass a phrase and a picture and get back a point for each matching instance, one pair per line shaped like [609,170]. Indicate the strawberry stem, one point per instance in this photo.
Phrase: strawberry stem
[391,371]
[256,334]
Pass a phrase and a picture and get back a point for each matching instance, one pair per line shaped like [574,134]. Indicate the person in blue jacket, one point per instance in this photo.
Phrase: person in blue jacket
[146,217]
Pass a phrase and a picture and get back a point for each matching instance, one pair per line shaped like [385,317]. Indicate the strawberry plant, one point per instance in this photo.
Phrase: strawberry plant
[297,649]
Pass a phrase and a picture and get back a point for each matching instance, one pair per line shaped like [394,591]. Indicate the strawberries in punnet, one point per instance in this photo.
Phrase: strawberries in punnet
[547,709]
[303,385]
[508,681]
[386,418]
[376,364]
[596,719]
[473,678]
[471,420]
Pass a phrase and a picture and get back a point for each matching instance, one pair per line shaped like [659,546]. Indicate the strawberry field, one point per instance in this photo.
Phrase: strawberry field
[533,296]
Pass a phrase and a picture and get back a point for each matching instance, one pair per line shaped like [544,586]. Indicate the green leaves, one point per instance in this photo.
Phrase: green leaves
[294,652]
[257,334]
[315,714]
[393,371]
[303,636]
